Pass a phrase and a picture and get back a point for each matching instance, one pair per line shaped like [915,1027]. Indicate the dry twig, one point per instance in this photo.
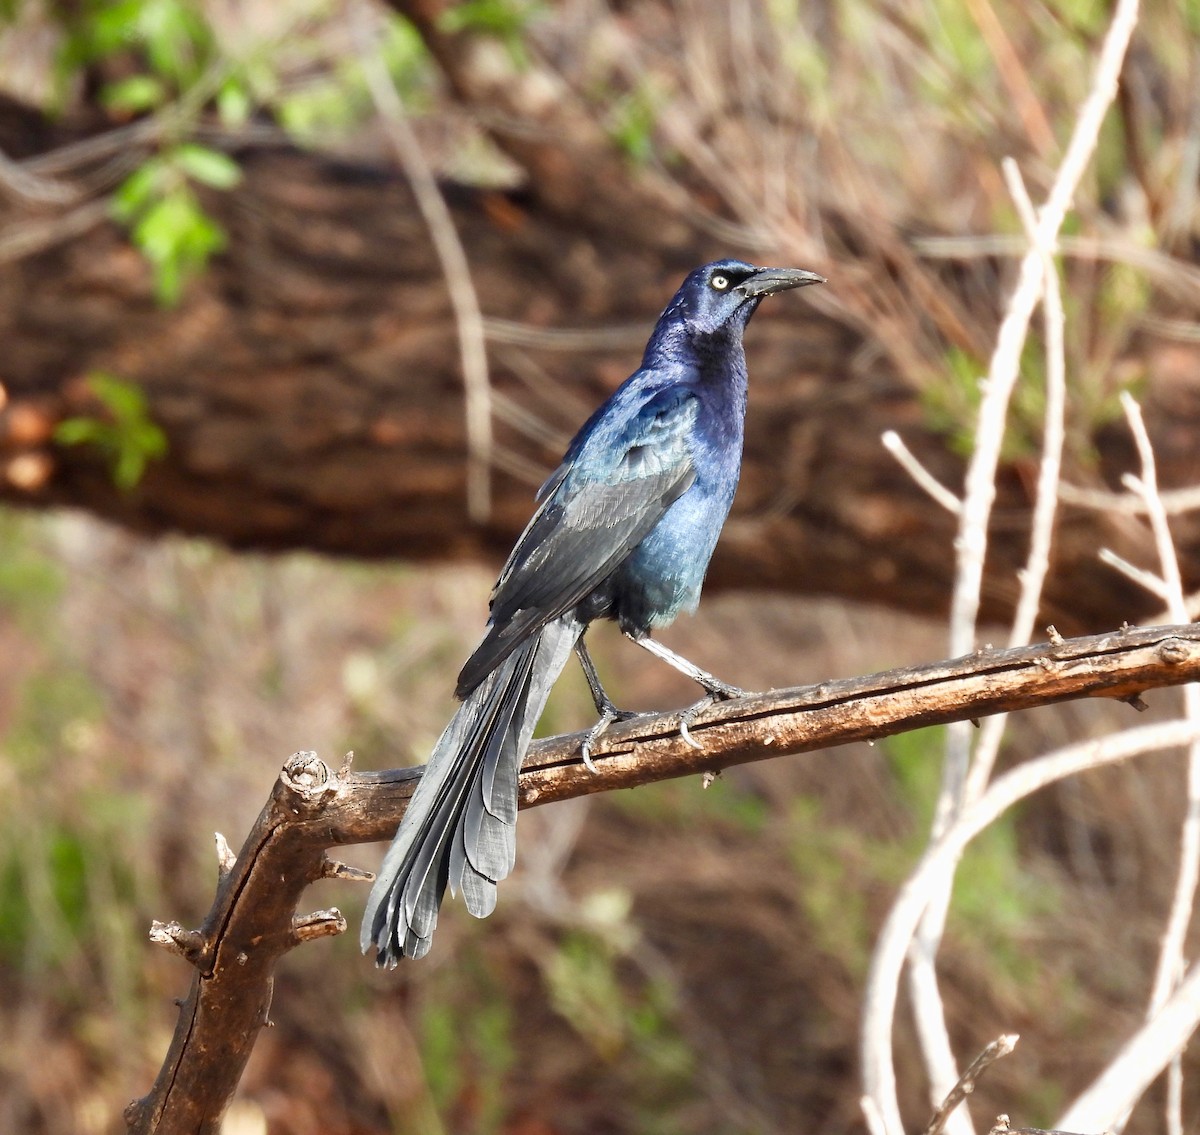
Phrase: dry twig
[468,318]
[999,1048]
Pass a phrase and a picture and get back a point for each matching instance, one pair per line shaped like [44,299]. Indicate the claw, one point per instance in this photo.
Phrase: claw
[717,691]
[608,714]
[689,715]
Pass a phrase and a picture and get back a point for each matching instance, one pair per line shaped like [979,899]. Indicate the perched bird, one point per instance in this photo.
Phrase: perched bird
[624,530]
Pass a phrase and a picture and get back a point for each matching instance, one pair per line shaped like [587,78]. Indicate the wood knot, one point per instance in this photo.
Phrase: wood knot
[307,777]
[306,770]
[188,944]
[320,924]
[1173,652]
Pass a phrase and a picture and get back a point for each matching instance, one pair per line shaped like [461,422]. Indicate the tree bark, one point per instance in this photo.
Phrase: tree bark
[310,391]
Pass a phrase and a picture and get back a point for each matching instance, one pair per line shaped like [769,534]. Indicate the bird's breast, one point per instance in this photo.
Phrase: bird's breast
[664,574]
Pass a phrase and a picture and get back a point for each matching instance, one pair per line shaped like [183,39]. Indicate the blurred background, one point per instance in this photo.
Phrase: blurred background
[250,509]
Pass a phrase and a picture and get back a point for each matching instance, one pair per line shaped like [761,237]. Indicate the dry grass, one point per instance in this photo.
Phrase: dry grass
[668,959]
[671,959]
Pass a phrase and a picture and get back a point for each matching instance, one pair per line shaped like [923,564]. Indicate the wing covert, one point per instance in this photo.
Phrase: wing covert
[608,494]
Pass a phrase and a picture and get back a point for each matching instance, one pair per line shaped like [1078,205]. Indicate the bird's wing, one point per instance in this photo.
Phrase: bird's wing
[612,489]
[618,484]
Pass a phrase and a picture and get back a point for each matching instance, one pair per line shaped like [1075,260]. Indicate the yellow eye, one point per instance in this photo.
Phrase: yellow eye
[720,283]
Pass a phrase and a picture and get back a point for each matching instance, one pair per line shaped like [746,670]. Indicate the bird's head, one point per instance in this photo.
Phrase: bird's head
[720,297]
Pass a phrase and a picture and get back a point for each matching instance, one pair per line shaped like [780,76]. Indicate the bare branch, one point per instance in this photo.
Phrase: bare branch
[188,944]
[999,1048]
[883,981]
[1140,1062]
[979,495]
[908,461]
[20,182]
[1005,362]
[468,317]
[1037,565]
[332,869]
[1002,1127]
[1175,501]
[252,921]
[1171,959]
[319,924]
[1143,578]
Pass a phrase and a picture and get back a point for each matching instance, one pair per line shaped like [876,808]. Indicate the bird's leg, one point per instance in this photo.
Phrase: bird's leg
[716,690]
[604,704]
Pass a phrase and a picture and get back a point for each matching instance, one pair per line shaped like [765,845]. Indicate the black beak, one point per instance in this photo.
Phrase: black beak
[768,281]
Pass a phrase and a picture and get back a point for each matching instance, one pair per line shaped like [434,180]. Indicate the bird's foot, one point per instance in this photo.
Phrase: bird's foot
[689,715]
[722,691]
[717,691]
[608,714]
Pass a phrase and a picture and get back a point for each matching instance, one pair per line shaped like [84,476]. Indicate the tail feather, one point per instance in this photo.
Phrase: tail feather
[460,827]
[489,841]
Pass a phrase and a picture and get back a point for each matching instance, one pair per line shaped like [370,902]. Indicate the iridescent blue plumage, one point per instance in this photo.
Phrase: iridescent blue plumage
[624,530]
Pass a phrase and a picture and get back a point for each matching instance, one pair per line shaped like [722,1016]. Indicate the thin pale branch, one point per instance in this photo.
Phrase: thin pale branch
[908,461]
[1014,786]
[1144,579]
[1140,1062]
[1002,1127]
[979,495]
[1174,501]
[1147,487]
[1011,339]
[1171,958]
[468,318]
[1037,565]
[1175,277]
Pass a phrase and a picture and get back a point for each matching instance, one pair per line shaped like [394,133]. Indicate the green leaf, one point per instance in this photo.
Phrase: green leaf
[112,28]
[168,282]
[177,39]
[506,20]
[177,237]
[128,469]
[162,226]
[632,125]
[135,94]
[149,438]
[138,190]
[202,237]
[233,104]
[209,167]
[167,222]
[124,399]
[503,18]
[78,431]
[125,434]
[318,108]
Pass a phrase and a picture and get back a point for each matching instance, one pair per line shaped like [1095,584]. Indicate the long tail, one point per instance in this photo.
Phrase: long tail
[460,827]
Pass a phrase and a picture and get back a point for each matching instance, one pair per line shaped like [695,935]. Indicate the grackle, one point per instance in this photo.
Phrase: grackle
[624,530]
